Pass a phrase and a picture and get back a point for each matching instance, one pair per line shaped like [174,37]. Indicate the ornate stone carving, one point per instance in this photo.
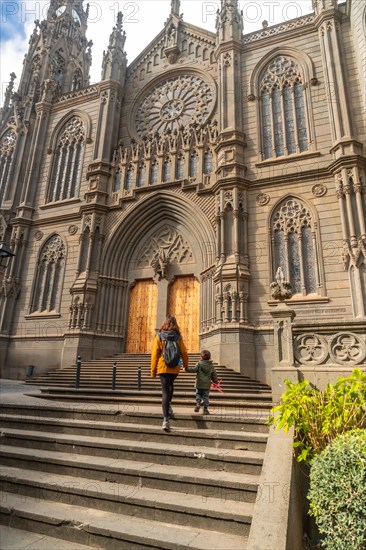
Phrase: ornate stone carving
[347,349]
[74,132]
[310,349]
[175,102]
[54,250]
[73,229]
[292,216]
[167,246]
[319,190]
[278,29]
[38,235]
[10,287]
[262,199]
[280,289]
[3,227]
[344,348]
[352,254]
[7,144]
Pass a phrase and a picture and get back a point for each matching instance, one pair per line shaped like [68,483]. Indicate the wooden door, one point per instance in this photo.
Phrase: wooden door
[142,317]
[184,304]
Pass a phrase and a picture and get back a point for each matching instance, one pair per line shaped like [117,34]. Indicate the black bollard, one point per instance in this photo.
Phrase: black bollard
[139,379]
[114,376]
[78,372]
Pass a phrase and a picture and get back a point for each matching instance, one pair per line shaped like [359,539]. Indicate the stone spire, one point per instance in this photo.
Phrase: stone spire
[175,8]
[114,59]
[229,23]
[320,6]
[8,96]
[58,51]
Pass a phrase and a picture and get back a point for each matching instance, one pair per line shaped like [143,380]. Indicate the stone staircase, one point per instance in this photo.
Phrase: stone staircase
[96,383]
[105,475]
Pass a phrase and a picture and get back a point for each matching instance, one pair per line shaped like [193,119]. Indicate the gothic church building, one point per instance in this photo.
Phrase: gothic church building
[181,183]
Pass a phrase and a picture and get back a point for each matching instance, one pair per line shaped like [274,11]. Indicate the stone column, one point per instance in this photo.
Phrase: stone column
[161,313]
[283,357]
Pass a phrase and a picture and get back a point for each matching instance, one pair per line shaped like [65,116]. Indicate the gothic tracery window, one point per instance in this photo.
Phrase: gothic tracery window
[117,181]
[7,146]
[294,246]
[154,173]
[142,174]
[68,162]
[180,167]
[193,164]
[129,178]
[283,112]
[167,169]
[50,267]
[207,163]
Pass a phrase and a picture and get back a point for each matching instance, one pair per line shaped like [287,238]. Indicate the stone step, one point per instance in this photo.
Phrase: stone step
[112,530]
[187,395]
[227,439]
[132,500]
[14,539]
[180,479]
[112,396]
[243,419]
[132,385]
[181,456]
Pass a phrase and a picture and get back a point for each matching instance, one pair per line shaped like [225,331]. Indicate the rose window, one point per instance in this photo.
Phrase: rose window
[175,102]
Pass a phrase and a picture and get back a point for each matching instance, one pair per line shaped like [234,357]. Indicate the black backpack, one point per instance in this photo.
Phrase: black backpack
[171,350]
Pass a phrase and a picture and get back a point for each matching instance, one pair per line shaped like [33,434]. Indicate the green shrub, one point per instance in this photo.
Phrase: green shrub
[338,492]
[320,416]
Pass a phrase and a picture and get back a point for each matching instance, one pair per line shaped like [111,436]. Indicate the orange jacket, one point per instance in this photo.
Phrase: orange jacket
[158,365]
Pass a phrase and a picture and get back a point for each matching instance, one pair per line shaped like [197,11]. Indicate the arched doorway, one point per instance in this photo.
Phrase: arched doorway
[161,247]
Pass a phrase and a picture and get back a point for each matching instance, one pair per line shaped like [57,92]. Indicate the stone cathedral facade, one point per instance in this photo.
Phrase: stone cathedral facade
[181,183]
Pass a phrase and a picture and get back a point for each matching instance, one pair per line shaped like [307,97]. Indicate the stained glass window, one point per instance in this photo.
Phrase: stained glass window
[129,178]
[283,114]
[294,262]
[167,169]
[294,243]
[308,256]
[267,125]
[117,182]
[47,288]
[154,173]
[142,174]
[207,162]
[193,165]
[180,167]
[68,162]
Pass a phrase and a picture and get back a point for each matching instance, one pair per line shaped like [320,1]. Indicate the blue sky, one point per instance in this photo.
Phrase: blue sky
[12,25]
[143,19]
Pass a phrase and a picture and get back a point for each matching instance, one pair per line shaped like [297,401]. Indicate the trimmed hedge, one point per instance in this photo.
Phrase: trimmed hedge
[338,492]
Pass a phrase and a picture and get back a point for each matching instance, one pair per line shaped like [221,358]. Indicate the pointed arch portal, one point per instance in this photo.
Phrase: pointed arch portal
[157,255]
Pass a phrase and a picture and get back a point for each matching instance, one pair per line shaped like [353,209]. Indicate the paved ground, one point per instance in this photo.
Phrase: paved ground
[15,539]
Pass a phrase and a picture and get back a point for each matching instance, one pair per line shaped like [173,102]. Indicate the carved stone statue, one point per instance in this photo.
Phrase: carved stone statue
[280,288]
[160,264]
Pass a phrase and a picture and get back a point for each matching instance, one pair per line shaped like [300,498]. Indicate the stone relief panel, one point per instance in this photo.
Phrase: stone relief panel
[344,348]
[166,247]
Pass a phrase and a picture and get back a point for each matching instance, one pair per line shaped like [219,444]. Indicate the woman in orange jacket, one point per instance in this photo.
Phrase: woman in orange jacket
[168,330]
